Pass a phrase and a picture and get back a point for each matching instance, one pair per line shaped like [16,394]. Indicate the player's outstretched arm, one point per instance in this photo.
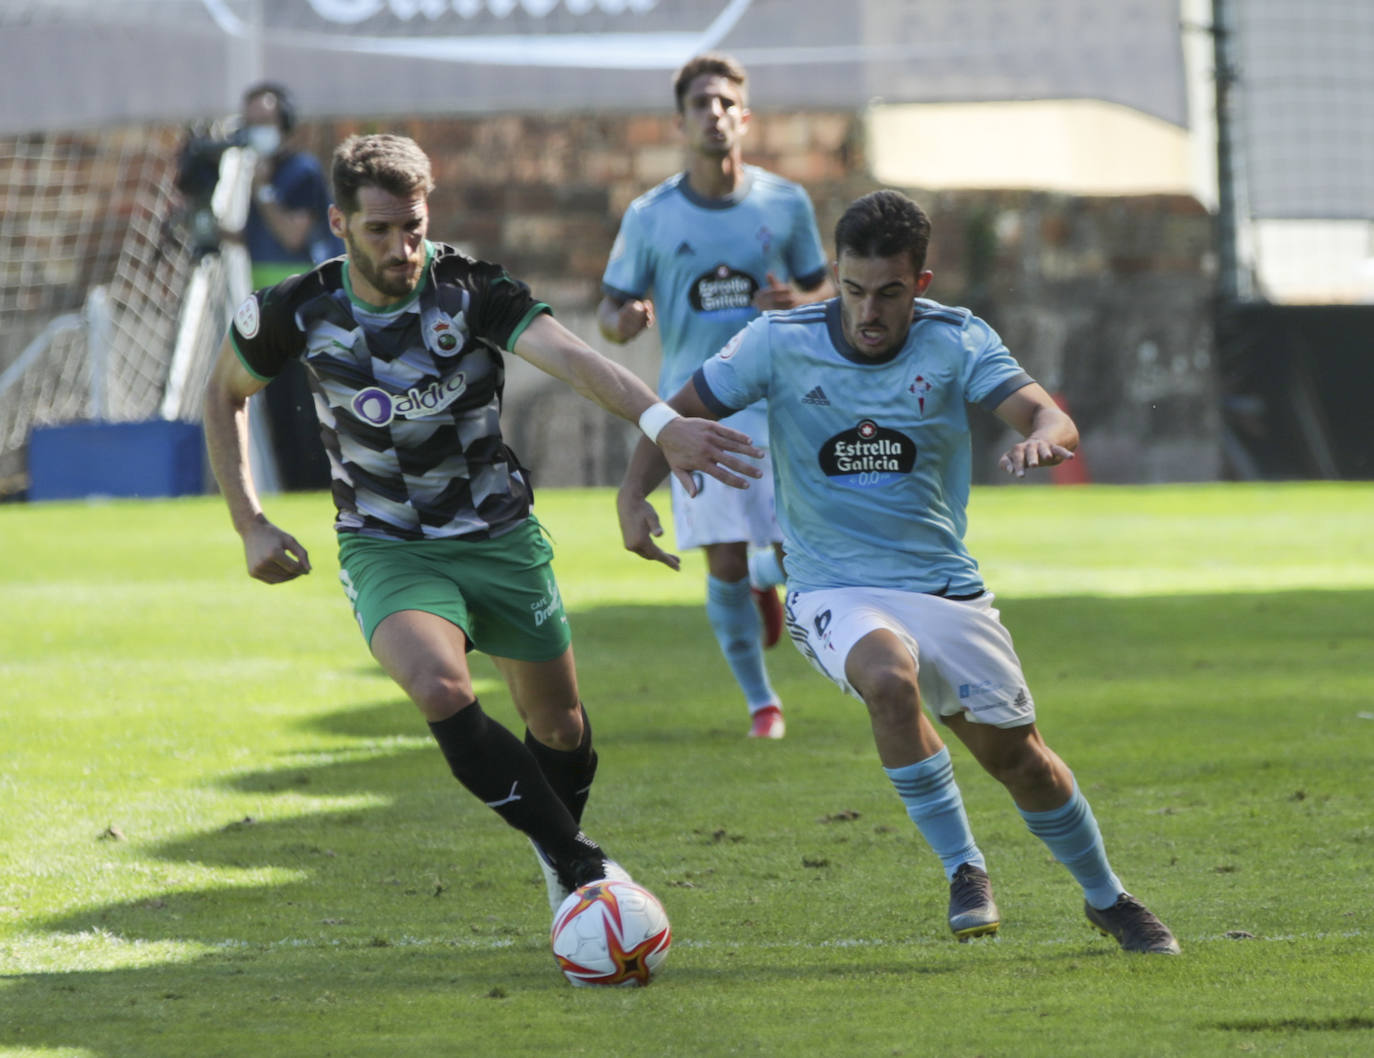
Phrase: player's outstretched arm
[688,444]
[639,524]
[650,463]
[1050,435]
[273,556]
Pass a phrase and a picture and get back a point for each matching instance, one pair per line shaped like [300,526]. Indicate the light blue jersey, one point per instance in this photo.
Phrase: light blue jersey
[871,459]
[703,260]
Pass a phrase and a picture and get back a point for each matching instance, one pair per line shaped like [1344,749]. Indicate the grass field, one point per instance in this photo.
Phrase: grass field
[225,833]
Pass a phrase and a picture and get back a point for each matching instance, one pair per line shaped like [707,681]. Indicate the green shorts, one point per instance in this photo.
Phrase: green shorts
[500,592]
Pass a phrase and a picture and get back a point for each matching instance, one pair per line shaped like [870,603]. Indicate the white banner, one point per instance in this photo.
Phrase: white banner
[68,63]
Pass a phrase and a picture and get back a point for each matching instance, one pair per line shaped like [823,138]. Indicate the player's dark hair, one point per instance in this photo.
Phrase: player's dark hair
[716,63]
[286,106]
[884,224]
[396,164]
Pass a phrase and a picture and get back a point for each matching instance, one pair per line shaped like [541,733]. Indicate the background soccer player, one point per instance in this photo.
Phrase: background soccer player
[702,254]
[867,399]
[403,341]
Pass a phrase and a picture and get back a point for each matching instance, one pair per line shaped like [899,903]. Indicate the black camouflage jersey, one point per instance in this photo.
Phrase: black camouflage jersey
[408,397]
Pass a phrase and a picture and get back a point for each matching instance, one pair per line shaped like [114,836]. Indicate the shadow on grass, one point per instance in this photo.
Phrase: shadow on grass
[412,901]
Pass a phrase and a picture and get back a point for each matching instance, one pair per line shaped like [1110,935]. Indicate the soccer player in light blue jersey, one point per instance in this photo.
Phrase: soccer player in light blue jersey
[702,254]
[870,442]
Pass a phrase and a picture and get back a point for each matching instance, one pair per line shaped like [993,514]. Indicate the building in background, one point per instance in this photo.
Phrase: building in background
[1069,144]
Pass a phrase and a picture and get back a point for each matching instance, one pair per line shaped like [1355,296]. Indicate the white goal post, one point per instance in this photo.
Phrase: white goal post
[107,311]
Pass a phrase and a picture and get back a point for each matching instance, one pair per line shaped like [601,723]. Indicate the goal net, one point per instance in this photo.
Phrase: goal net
[96,263]
[1303,105]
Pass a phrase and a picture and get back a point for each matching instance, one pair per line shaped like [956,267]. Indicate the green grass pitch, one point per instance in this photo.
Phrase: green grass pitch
[224,833]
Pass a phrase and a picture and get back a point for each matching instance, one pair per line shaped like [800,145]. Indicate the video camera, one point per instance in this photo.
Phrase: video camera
[197,175]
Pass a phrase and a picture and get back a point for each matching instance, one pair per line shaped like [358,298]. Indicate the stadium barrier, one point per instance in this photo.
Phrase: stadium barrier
[155,458]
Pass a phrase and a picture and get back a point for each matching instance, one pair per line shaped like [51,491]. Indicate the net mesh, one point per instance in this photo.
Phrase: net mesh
[86,211]
[1304,102]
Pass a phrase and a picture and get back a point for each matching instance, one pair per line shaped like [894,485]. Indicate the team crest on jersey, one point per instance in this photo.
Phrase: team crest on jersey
[867,455]
[722,288]
[919,387]
[444,334]
[444,338]
[247,317]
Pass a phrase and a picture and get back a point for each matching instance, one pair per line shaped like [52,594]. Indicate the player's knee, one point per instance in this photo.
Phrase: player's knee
[439,693]
[561,730]
[728,562]
[889,691]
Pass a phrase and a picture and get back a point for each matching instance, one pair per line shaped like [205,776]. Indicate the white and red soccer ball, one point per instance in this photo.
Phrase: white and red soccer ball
[610,933]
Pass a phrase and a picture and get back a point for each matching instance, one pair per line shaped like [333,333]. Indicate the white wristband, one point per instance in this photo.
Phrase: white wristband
[655,418]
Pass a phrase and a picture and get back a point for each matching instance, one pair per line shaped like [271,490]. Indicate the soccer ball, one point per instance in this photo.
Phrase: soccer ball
[610,933]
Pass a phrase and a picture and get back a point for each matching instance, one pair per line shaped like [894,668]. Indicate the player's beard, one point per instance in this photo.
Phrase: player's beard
[389,283]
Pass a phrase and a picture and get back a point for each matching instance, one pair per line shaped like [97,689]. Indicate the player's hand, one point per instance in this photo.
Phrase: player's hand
[634,316]
[274,557]
[776,295]
[639,525]
[700,444]
[1019,458]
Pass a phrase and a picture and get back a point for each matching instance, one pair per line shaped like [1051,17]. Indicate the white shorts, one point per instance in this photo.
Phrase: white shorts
[963,653]
[718,514]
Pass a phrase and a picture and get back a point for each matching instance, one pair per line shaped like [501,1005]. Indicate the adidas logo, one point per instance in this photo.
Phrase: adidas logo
[816,396]
[684,247]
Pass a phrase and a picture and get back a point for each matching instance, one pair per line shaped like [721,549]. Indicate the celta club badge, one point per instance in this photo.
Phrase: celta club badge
[920,387]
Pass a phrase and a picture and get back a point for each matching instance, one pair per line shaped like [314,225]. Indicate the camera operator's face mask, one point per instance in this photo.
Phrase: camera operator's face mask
[264,139]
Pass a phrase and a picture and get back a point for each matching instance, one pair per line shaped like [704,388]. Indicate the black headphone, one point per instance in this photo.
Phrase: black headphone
[286,106]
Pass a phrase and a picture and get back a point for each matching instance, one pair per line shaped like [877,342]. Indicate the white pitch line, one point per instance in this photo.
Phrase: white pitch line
[43,954]
[498,943]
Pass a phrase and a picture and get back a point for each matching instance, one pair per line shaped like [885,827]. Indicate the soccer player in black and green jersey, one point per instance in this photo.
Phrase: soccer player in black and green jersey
[403,342]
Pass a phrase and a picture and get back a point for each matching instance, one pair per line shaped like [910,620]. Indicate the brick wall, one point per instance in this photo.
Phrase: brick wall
[1105,300]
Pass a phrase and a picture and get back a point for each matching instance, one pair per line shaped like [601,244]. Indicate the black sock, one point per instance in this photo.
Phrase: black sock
[569,771]
[492,763]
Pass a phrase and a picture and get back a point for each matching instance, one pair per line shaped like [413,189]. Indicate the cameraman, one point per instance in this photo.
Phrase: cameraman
[287,231]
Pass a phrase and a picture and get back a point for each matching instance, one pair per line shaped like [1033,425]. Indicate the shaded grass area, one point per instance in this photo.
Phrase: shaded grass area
[226,833]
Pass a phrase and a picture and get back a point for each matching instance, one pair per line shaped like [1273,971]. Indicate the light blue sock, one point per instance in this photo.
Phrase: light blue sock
[933,802]
[765,571]
[1071,834]
[735,621]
